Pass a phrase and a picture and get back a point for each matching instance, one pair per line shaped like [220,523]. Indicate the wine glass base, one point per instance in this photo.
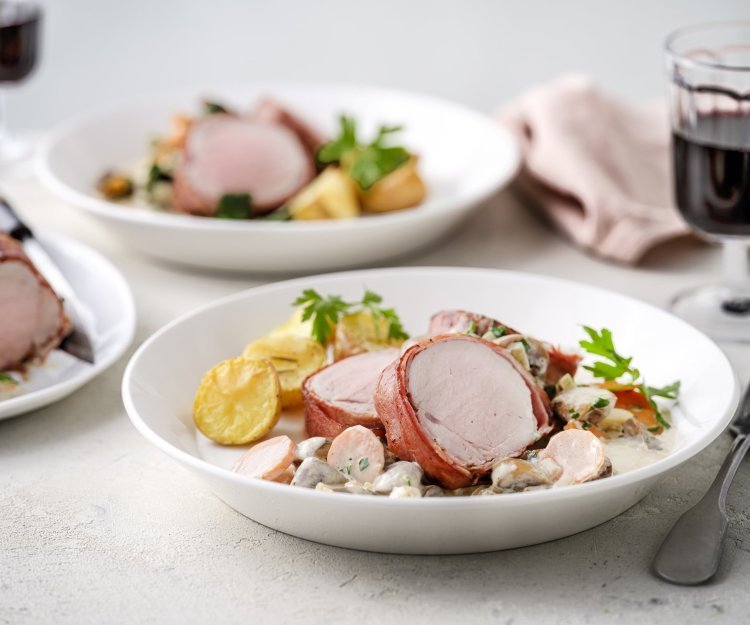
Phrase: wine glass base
[717,310]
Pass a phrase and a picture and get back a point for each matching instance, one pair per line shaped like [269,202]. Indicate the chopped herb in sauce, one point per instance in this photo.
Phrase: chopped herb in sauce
[498,331]
[600,403]
[363,463]
[6,378]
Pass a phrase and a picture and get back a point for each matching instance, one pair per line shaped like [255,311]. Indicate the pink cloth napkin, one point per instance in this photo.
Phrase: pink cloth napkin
[598,167]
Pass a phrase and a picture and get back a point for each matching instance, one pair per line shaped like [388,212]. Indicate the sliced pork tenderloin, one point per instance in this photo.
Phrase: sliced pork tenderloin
[548,364]
[32,318]
[272,112]
[341,394]
[225,154]
[455,403]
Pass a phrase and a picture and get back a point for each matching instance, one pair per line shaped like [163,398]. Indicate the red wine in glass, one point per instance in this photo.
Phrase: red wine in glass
[19,40]
[712,174]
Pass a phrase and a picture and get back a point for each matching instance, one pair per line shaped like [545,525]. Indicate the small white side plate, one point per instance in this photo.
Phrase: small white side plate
[104,291]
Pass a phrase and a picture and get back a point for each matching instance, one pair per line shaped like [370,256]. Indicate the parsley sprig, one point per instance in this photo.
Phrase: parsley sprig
[365,163]
[325,313]
[615,366]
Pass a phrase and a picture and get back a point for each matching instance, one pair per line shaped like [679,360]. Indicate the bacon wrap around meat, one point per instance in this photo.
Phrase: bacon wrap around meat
[407,437]
[553,363]
[341,395]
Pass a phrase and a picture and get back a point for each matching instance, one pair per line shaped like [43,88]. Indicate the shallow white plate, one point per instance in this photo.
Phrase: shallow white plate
[103,290]
[162,376]
[465,158]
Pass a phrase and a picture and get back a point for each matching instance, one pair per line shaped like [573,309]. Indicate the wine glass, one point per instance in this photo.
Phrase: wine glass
[19,47]
[708,74]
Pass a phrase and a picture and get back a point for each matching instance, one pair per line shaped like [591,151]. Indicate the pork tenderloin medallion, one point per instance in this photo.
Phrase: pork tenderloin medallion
[225,154]
[341,394]
[455,403]
[547,363]
[32,318]
[271,111]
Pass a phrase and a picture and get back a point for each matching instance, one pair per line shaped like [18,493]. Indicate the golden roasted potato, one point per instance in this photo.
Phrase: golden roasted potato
[294,326]
[360,332]
[402,188]
[332,195]
[293,357]
[238,401]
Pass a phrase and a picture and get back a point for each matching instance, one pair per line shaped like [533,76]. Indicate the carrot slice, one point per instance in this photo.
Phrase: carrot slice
[637,403]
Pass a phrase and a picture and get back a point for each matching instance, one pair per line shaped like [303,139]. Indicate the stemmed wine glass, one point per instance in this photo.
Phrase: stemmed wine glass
[708,74]
[19,48]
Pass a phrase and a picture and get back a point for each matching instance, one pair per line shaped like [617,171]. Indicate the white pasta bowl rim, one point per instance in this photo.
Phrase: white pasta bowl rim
[112,210]
[661,466]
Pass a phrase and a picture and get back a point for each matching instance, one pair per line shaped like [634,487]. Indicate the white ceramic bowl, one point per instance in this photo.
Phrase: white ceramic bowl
[162,376]
[465,158]
[106,295]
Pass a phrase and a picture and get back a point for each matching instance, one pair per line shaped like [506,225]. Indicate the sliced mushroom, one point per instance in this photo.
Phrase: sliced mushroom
[584,403]
[433,491]
[314,471]
[401,473]
[514,474]
[357,488]
[405,492]
[317,446]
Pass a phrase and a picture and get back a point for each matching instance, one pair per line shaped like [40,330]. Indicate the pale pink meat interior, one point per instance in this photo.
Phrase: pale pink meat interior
[350,383]
[471,401]
[233,155]
[29,314]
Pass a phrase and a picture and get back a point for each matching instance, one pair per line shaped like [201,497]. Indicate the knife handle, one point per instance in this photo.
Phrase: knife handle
[12,224]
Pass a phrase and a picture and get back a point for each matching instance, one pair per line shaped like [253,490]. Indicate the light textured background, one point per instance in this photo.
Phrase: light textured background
[481,52]
[97,526]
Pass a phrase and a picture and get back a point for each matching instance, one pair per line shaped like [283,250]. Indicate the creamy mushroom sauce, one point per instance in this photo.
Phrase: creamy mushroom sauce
[627,454]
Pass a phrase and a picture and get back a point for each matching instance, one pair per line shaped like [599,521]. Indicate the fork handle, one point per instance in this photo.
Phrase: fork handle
[691,552]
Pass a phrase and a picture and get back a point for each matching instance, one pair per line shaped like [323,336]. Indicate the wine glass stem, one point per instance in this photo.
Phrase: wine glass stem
[734,261]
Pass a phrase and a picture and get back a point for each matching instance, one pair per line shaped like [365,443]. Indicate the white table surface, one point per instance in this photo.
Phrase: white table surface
[97,526]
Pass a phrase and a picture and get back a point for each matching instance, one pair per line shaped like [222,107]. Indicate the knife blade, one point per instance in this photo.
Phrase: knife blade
[78,342]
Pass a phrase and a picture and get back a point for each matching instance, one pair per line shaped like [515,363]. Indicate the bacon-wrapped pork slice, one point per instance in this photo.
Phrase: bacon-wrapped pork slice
[226,154]
[32,319]
[455,403]
[548,364]
[341,394]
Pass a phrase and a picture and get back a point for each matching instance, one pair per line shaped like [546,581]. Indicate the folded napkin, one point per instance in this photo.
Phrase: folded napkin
[598,167]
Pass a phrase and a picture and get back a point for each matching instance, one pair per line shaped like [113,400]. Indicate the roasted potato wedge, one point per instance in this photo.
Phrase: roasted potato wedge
[402,188]
[332,195]
[293,357]
[360,332]
[238,401]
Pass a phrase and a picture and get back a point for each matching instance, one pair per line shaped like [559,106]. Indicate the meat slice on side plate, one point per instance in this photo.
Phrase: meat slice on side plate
[456,403]
[548,363]
[225,154]
[32,319]
[341,394]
